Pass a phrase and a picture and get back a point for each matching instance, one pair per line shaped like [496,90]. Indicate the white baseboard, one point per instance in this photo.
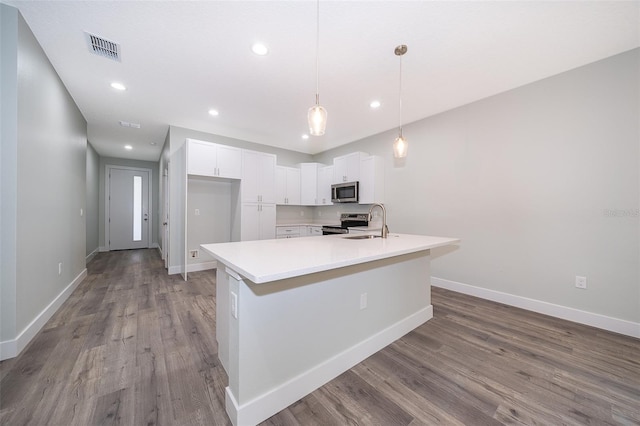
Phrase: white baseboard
[12,348]
[604,322]
[204,266]
[154,245]
[103,249]
[194,267]
[91,255]
[266,405]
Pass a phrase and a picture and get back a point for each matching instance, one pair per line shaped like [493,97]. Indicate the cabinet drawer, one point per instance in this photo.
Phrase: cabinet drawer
[287,231]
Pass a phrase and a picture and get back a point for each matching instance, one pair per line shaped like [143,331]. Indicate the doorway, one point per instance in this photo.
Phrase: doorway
[128,207]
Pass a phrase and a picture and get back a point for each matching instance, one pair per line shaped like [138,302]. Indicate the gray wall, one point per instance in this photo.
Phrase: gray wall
[541,183]
[212,198]
[46,138]
[154,166]
[93,200]
[8,168]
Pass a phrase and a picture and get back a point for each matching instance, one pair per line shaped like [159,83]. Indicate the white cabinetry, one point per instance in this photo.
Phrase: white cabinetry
[347,167]
[258,221]
[258,177]
[371,180]
[325,179]
[210,159]
[287,186]
[288,231]
[258,196]
[313,231]
[309,183]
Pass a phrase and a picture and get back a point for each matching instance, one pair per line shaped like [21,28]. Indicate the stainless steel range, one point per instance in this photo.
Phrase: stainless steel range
[346,220]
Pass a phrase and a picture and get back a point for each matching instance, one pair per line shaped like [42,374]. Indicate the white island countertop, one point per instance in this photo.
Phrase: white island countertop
[264,261]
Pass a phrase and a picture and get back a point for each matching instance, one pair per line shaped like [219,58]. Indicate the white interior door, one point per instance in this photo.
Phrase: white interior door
[128,209]
[165,219]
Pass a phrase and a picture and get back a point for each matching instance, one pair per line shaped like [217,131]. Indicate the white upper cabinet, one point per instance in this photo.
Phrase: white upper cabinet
[287,186]
[325,179]
[258,177]
[210,159]
[347,167]
[371,180]
[309,183]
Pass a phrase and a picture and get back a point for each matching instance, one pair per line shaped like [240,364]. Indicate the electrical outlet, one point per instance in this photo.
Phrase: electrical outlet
[581,282]
[363,301]
[194,253]
[197,212]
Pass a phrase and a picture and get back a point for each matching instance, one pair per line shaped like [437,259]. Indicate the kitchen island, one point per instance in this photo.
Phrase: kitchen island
[292,314]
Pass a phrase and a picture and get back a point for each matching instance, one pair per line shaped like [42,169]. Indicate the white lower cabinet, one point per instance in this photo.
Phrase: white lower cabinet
[288,231]
[258,221]
[295,231]
[313,231]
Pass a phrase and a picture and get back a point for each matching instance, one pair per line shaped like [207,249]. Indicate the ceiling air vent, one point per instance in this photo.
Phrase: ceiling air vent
[103,47]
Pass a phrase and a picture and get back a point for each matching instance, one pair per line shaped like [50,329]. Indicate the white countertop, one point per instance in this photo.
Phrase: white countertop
[334,223]
[263,261]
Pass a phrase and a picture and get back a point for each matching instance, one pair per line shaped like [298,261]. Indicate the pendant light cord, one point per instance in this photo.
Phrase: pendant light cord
[317,52]
[400,96]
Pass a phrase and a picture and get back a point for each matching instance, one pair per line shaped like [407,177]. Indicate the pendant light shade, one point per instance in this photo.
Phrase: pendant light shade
[400,144]
[317,115]
[400,147]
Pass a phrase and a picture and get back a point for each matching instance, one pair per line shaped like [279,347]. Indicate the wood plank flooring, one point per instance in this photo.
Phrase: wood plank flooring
[135,346]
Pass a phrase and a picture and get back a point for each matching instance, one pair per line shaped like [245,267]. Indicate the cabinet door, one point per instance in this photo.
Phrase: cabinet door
[293,186]
[267,178]
[201,158]
[347,167]
[371,180]
[325,179]
[281,185]
[267,221]
[309,184]
[250,222]
[229,162]
[250,178]
[258,177]
[339,169]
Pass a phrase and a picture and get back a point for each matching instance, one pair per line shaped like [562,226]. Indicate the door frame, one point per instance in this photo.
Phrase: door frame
[107,181]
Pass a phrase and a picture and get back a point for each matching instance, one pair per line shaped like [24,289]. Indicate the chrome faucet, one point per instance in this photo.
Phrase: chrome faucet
[385,230]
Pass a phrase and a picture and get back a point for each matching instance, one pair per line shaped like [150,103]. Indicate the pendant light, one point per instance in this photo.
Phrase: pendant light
[400,144]
[317,115]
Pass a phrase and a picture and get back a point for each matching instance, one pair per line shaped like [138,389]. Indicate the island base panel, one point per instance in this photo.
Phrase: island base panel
[292,336]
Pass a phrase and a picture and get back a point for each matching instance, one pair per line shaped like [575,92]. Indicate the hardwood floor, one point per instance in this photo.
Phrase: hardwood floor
[134,346]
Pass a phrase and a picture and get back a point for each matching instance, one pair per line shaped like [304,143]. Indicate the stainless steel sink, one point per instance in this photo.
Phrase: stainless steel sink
[361,237]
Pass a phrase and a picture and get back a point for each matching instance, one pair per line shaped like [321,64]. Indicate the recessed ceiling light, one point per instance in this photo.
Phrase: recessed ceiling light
[153,143]
[214,112]
[305,136]
[259,49]
[118,86]
[128,147]
[375,104]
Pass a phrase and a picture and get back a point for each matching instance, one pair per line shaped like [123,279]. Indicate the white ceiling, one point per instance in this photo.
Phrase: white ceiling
[179,59]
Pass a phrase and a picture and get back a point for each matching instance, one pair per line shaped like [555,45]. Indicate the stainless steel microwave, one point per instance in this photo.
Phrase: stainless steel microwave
[345,192]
